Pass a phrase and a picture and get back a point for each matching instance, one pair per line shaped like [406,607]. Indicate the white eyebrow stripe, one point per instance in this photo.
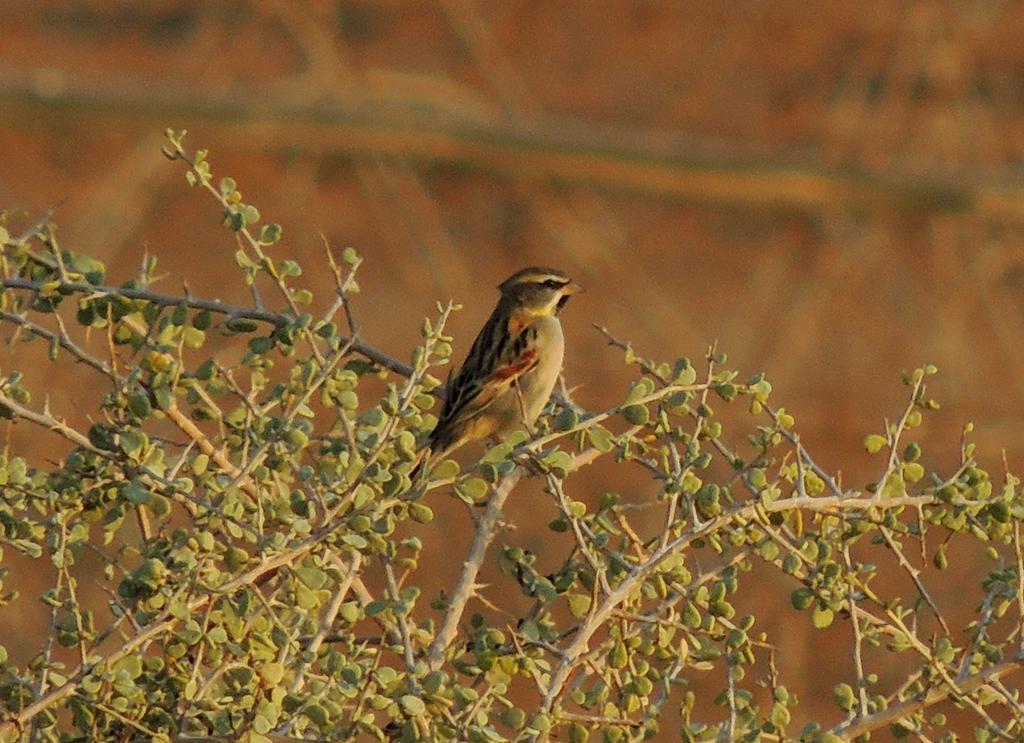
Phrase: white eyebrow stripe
[540,278]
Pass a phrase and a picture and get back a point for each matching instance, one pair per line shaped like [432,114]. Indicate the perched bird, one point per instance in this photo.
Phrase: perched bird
[509,373]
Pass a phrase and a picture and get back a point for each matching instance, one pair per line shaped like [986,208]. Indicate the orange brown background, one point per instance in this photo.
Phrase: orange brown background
[830,190]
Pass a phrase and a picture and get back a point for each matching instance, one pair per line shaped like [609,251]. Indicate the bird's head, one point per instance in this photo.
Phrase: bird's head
[538,291]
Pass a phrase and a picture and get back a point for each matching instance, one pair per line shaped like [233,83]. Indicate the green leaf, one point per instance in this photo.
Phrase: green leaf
[514,717]
[472,489]
[412,705]
[601,438]
[822,617]
[566,420]
[617,656]
[642,388]
[801,598]
[313,577]
[136,493]
[727,391]
[350,612]
[236,558]
[893,487]
[193,337]
[687,373]
[132,441]
[139,404]
[131,666]
[559,524]
[270,233]
[844,696]
[317,715]
[579,604]
[150,573]
[200,463]
[420,513]
[874,443]
[179,316]
[356,541]
[243,260]
[202,320]
[558,463]
[541,723]
[272,673]
[780,715]
[261,345]
[912,471]
[240,325]
[638,415]
[496,453]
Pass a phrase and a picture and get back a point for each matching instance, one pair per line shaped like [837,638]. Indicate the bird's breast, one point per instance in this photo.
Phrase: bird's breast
[538,383]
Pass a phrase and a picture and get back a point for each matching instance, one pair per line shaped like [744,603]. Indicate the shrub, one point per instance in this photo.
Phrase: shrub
[261,537]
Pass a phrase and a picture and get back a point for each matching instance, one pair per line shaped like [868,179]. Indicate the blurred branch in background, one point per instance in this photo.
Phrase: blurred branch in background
[530,146]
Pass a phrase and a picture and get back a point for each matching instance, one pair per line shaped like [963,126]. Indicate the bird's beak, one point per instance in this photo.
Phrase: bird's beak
[571,288]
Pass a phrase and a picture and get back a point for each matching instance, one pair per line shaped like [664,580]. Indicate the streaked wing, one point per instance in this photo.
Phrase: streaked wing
[501,353]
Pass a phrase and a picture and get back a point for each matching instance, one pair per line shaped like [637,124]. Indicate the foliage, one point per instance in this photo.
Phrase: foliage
[261,536]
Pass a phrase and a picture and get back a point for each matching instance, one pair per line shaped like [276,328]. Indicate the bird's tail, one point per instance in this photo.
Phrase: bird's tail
[422,467]
[431,454]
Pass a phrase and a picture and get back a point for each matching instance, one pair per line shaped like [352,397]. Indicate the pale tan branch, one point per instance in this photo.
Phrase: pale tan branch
[897,712]
[466,585]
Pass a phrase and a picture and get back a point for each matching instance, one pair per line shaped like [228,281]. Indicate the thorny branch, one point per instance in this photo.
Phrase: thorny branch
[466,585]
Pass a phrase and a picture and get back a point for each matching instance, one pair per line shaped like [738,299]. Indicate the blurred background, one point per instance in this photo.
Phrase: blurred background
[832,192]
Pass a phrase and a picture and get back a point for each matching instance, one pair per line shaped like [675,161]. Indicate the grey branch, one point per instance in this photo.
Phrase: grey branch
[167,300]
[276,319]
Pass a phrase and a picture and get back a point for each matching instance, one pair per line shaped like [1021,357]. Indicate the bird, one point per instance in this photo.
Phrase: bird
[511,368]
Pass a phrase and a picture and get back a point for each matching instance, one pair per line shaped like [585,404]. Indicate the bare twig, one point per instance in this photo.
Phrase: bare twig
[858,642]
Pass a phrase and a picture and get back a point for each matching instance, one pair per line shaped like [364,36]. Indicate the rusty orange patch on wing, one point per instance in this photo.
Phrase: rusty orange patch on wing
[516,368]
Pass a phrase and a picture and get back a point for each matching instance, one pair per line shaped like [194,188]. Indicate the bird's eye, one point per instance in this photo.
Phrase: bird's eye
[554,284]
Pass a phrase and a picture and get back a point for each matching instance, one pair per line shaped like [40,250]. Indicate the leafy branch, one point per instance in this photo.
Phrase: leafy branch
[273,590]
